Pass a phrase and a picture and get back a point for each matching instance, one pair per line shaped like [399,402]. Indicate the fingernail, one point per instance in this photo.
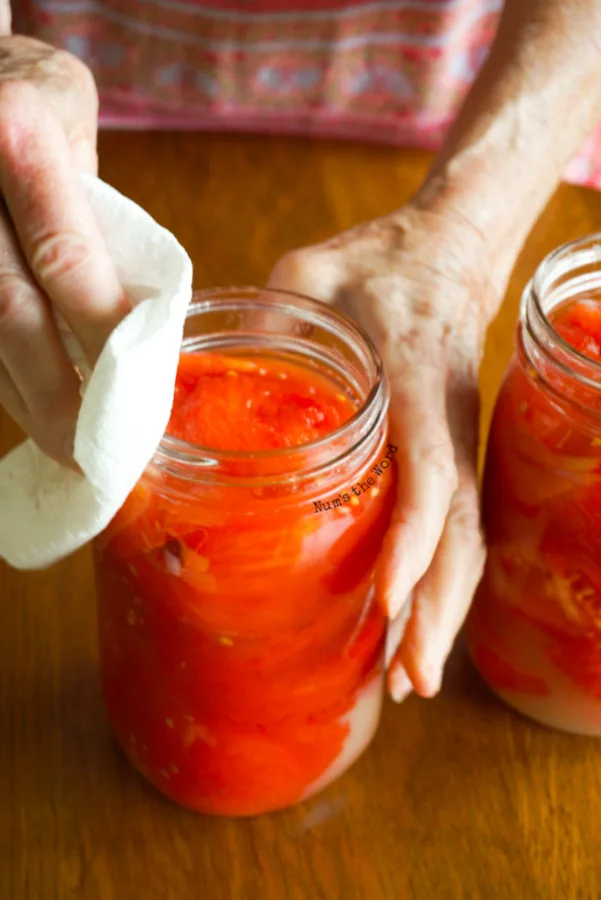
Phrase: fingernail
[398,684]
[396,629]
[396,600]
[432,676]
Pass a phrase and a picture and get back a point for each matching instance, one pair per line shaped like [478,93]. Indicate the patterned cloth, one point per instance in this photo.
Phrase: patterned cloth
[392,71]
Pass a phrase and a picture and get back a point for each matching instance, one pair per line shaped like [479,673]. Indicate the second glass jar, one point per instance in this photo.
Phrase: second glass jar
[534,631]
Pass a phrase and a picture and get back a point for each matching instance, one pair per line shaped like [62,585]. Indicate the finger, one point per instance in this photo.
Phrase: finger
[399,684]
[396,630]
[40,388]
[291,275]
[53,221]
[12,401]
[442,597]
[313,273]
[79,118]
[427,481]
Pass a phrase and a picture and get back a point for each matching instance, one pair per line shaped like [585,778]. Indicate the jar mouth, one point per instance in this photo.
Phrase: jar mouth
[567,273]
[263,305]
[571,272]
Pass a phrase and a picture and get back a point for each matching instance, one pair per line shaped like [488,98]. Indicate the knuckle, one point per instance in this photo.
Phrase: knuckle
[437,455]
[292,264]
[62,59]
[59,256]
[75,71]
[16,97]
[465,513]
[312,271]
[29,60]
[309,261]
[15,297]
[33,75]
[14,92]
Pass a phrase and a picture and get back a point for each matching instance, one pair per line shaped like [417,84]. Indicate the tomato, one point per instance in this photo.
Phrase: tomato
[238,626]
[579,324]
[538,606]
[237,405]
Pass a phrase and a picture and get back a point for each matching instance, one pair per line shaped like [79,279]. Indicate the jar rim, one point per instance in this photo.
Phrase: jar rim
[568,272]
[562,260]
[172,449]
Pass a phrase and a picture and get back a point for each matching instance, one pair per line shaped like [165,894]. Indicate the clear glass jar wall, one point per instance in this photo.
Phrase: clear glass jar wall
[534,631]
[241,647]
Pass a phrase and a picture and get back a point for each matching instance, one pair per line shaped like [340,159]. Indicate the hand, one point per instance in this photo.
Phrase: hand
[53,262]
[412,282]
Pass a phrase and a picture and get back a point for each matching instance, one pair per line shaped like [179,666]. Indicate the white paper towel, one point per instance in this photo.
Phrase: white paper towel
[47,511]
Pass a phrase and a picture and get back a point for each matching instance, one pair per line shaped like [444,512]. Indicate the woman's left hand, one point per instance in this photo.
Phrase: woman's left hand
[412,281]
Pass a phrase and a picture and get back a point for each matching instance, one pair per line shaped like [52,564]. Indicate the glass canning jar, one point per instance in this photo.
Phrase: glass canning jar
[534,631]
[241,648]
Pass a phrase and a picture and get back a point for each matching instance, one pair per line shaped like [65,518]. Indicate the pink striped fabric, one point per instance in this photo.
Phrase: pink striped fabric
[392,71]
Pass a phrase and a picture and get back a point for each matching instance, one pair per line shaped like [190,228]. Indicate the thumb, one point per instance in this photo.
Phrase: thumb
[304,273]
[313,272]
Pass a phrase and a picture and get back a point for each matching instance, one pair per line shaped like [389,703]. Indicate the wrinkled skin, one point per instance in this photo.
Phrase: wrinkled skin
[423,282]
[410,281]
[50,247]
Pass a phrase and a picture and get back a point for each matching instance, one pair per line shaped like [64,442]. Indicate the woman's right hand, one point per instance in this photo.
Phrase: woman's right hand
[52,255]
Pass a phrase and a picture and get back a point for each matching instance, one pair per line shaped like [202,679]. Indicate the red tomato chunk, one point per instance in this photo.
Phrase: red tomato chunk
[238,631]
[542,512]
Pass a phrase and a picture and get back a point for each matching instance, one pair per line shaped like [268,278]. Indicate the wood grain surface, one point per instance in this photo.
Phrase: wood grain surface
[458,799]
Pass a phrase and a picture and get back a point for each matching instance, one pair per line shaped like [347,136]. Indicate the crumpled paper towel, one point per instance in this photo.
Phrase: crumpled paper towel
[47,511]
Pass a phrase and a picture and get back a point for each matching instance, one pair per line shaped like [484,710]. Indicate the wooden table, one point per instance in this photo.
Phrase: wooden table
[458,799]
